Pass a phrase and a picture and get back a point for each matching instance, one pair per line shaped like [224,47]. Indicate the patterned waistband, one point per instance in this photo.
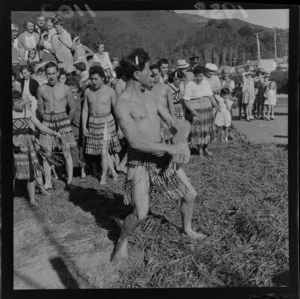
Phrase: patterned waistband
[53,113]
[100,115]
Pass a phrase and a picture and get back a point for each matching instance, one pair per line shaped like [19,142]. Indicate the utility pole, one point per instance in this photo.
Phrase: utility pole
[234,61]
[258,49]
[275,34]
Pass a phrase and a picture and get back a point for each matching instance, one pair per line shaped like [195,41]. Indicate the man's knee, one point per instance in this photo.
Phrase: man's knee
[191,195]
[142,214]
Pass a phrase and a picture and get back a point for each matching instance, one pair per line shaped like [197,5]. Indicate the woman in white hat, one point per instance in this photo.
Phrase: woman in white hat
[198,99]
[249,94]
[212,78]
[182,66]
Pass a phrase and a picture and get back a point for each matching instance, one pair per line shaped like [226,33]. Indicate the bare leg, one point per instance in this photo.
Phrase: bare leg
[31,191]
[141,208]
[187,206]
[272,111]
[105,163]
[54,172]
[226,134]
[47,170]
[69,166]
[199,147]
[269,110]
[122,164]
[111,167]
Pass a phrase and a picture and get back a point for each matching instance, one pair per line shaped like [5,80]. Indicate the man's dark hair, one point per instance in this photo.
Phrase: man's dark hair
[162,61]
[96,69]
[224,91]
[50,64]
[72,81]
[153,67]
[199,69]
[119,72]
[136,61]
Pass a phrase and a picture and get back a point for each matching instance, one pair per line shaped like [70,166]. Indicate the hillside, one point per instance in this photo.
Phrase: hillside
[172,35]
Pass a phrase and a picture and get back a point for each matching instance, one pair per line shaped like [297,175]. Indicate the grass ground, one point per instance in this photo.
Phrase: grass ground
[242,205]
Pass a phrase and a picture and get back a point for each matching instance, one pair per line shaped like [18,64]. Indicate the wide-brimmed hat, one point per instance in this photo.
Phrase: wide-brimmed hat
[181,64]
[212,67]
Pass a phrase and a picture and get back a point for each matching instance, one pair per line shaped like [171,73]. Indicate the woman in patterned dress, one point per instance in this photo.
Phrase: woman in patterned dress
[26,164]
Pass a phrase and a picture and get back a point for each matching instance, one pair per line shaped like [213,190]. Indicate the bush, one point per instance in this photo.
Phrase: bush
[281,79]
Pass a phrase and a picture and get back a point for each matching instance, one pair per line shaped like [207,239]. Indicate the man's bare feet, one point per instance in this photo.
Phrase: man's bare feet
[103,181]
[120,253]
[45,193]
[194,235]
[48,186]
[207,152]
[115,177]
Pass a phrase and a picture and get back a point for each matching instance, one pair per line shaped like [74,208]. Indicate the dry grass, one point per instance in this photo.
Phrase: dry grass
[242,205]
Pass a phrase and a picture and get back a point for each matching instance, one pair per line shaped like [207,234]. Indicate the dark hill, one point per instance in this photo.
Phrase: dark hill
[171,35]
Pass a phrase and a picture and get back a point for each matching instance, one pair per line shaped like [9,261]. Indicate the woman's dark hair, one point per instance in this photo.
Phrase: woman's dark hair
[225,91]
[25,67]
[176,74]
[58,21]
[28,21]
[199,69]
[62,72]
[136,61]
[97,69]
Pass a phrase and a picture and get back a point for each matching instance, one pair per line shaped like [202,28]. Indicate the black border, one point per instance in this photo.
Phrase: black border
[6,160]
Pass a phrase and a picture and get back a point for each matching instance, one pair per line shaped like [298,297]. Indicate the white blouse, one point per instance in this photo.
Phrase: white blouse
[193,90]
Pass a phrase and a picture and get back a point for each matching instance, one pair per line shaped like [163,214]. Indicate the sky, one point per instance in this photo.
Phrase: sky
[266,17]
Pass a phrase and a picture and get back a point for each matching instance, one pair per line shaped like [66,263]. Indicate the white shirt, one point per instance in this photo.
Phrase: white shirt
[194,91]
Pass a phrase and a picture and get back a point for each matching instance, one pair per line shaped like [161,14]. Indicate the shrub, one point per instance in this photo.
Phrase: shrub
[281,79]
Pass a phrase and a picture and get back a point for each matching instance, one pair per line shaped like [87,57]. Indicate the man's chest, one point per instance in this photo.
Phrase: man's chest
[54,95]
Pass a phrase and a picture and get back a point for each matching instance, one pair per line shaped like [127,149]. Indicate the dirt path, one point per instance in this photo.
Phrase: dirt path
[263,131]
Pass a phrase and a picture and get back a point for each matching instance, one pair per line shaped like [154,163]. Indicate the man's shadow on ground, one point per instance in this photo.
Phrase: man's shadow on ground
[106,206]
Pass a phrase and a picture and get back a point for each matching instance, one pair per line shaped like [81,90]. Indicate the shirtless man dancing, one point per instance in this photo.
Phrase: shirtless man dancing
[53,99]
[101,130]
[162,92]
[149,160]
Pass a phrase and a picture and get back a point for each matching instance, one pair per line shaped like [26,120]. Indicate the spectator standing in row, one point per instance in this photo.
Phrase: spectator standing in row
[259,97]
[103,58]
[238,94]
[47,49]
[80,50]
[62,45]
[248,93]
[199,100]
[271,99]
[223,117]
[177,91]
[29,39]
[213,79]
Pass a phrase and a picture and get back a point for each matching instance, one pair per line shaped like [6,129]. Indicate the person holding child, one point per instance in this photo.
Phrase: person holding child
[223,117]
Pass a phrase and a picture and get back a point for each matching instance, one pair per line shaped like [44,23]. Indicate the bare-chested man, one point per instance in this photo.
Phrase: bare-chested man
[163,92]
[149,159]
[53,99]
[101,130]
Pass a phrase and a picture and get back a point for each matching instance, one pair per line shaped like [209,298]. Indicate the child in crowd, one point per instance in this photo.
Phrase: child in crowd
[223,117]
[238,94]
[271,99]
[73,83]
[26,164]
